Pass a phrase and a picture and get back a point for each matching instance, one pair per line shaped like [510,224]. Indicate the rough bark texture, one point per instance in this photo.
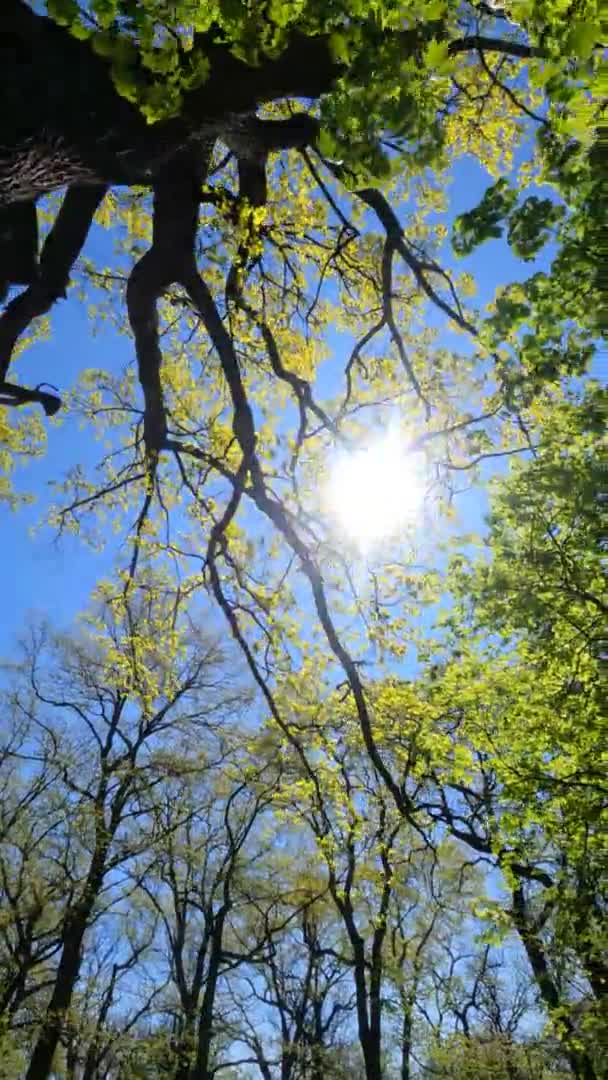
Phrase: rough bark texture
[63,122]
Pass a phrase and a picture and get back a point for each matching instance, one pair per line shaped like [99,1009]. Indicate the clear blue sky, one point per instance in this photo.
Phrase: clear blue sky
[54,579]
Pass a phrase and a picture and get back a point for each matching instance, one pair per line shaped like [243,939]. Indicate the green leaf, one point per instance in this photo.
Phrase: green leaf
[583,37]
[436,56]
[338,47]
[328,146]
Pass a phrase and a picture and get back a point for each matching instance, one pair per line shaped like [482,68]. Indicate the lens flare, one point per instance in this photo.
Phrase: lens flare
[374,492]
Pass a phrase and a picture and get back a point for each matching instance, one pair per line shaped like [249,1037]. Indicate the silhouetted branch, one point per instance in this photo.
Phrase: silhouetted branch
[59,253]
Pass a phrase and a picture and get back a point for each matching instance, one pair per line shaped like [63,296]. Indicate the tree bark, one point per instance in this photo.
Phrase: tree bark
[64,122]
[200,1070]
[578,1058]
[63,989]
[185,1048]
[74,928]
[369,1036]
[59,253]
[406,1037]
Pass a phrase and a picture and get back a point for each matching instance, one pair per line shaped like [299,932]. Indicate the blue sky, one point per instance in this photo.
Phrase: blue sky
[54,578]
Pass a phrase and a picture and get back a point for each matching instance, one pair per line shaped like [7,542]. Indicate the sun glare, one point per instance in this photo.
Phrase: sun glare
[374,492]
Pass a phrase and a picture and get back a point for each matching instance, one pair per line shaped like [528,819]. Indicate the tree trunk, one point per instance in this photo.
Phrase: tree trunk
[200,1069]
[372,1058]
[586,914]
[370,1043]
[406,1037]
[185,1049]
[578,1058]
[63,122]
[288,1060]
[262,1063]
[75,925]
[375,1009]
[61,997]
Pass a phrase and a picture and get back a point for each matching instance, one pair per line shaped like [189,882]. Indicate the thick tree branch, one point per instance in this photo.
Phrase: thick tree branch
[59,253]
[169,260]
[60,102]
[244,430]
[480,43]
[11,394]
[59,94]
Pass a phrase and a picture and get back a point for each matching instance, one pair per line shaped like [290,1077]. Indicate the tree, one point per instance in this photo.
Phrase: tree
[463,748]
[490,1034]
[111,712]
[467,1059]
[528,686]
[160,87]
[399,894]
[193,889]
[174,96]
[274,179]
[303,990]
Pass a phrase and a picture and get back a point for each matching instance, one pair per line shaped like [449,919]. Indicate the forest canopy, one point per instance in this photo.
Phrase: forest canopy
[315,786]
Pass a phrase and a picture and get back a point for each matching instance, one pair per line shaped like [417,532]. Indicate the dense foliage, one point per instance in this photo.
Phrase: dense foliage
[357,827]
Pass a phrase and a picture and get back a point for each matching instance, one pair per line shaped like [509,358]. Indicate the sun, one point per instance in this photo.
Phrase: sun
[375,491]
